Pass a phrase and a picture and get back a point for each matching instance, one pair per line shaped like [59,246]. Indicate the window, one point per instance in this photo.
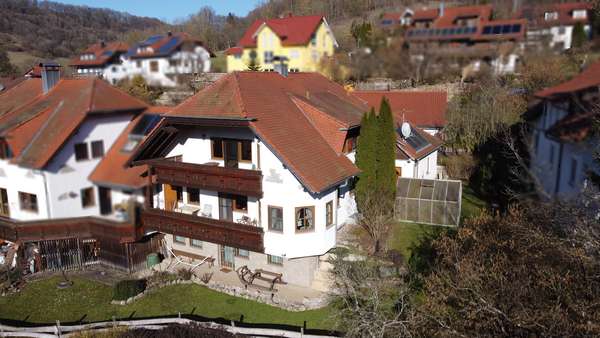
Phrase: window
[268,57]
[305,218]
[196,243]
[276,219]
[313,39]
[237,56]
[138,64]
[350,145]
[550,16]
[28,202]
[240,202]
[193,195]
[573,175]
[179,239]
[81,152]
[329,213]
[275,260]
[4,150]
[561,30]
[217,148]
[173,63]
[242,253]
[154,66]
[294,54]
[87,197]
[97,149]
[246,152]
[179,191]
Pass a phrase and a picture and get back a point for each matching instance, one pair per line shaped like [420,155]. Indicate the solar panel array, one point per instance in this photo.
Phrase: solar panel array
[416,141]
[428,201]
[465,31]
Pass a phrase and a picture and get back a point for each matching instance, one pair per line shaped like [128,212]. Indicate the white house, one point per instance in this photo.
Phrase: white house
[563,142]
[162,60]
[554,23]
[255,171]
[53,133]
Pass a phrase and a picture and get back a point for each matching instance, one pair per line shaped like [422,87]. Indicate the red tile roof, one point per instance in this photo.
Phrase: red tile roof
[234,51]
[451,14]
[19,95]
[590,77]
[114,169]
[425,14]
[422,109]
[292,30]
[270,102]
[103,53]
[36,130]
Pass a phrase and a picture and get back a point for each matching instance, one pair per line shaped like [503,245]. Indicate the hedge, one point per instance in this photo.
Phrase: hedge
[128,288]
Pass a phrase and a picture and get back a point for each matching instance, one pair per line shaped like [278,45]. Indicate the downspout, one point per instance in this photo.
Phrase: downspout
[560,155]
[47,195]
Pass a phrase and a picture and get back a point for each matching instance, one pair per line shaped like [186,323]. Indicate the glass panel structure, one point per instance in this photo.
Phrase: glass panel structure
[428,201]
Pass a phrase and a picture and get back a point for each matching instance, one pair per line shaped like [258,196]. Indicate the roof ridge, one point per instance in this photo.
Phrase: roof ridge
[238,92]
[39,131]
[295,98]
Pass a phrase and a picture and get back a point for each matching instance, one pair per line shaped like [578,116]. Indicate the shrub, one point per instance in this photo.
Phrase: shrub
[128,288]
[185,274]
[161,277]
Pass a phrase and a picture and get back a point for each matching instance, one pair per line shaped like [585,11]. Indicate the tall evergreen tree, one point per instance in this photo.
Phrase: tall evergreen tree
[579,36]
[366,155]
[386,151]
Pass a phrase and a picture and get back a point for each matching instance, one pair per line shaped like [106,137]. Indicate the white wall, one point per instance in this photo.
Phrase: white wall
[66,176]
[424,168]
[16,179]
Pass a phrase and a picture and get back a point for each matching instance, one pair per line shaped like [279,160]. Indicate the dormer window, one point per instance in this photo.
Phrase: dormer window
[87,56]
[549,16]
[579,14]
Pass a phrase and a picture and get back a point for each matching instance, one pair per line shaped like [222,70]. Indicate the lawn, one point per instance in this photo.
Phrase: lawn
[42,302]
[471,204]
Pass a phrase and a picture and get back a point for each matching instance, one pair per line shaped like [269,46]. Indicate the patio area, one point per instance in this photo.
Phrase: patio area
[286,296]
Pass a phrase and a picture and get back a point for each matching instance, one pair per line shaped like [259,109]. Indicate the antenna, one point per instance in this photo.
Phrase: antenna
[405,130]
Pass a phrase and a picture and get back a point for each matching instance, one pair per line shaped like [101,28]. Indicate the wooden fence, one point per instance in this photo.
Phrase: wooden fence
[258,330]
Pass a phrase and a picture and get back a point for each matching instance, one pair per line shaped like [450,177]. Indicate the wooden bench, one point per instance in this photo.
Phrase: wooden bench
[209,260]
[247,277]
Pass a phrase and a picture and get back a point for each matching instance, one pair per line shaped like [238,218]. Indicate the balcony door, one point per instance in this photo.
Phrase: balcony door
[231,153]
[170,197]
[105,201]
[225,207]
[4,210]
[227,259]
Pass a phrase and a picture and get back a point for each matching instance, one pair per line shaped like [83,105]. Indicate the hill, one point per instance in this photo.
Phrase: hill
[52,30]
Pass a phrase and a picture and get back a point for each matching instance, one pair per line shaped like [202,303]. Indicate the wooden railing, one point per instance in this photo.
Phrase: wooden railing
[206,229]
[229,180]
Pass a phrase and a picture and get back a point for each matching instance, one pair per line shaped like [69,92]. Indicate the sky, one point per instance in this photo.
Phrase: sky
[169,10]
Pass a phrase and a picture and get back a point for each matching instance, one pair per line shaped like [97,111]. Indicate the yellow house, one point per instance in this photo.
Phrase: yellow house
[303,40]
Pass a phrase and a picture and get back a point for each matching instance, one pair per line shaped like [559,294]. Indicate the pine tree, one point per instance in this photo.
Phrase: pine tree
[366,156]
[253,65]
[6,68]
[579,36]
[386,151]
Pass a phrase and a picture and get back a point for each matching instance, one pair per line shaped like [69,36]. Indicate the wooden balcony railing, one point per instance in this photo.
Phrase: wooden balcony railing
[206,229]
[210,177]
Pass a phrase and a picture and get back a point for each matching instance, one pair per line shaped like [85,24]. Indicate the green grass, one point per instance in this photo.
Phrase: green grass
[405,236]
[471,204]
[42,302]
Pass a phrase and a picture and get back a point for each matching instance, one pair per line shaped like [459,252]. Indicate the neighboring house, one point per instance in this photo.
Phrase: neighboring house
[101,59]
[564,144]
[469,32]
[162,60]
[301,40]
[423,109]
[393,21]
[425,112]
[554,23]
[255,170]
[53,133]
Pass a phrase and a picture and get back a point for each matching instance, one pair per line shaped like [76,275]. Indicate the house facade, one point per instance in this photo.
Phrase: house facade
[241,172]
[303,41]
[553,24]
[52,141]
[162,60]
[563,142]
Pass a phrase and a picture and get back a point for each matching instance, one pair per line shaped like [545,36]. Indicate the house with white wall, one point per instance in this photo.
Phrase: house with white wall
[51,142]
[255,171]
[554,23]
[563,143]
[162,60]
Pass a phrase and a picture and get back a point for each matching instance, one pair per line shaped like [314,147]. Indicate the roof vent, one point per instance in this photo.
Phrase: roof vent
[50,75]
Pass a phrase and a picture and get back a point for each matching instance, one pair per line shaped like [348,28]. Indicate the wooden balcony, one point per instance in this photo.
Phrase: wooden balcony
[206,229]
[210,177]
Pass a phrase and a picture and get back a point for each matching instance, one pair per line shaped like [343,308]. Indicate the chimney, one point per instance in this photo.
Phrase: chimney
[280,65]
[102,44]
[50,75]
[442,7]
[169,33]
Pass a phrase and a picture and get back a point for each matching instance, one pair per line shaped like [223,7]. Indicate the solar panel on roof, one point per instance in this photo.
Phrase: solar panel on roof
[516,28]
[152,40]
[169,45]
[487,30]
[107,53]
[497,30]
[506,29]
[415,140]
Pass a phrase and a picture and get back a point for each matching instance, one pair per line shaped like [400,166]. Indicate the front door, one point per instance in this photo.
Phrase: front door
[231,154]
[4,210]
[225,207]
[105,201]
[170,197]
[227,257]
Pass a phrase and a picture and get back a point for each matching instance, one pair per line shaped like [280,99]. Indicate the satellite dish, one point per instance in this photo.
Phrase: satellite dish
[405,130]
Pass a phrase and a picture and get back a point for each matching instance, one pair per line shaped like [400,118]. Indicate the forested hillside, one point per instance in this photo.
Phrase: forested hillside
[51,30]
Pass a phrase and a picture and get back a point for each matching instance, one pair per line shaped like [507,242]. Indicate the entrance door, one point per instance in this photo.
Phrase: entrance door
[227,257]
[105,200]
[170,197]
[225,207]
[231,154]
[4,210]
